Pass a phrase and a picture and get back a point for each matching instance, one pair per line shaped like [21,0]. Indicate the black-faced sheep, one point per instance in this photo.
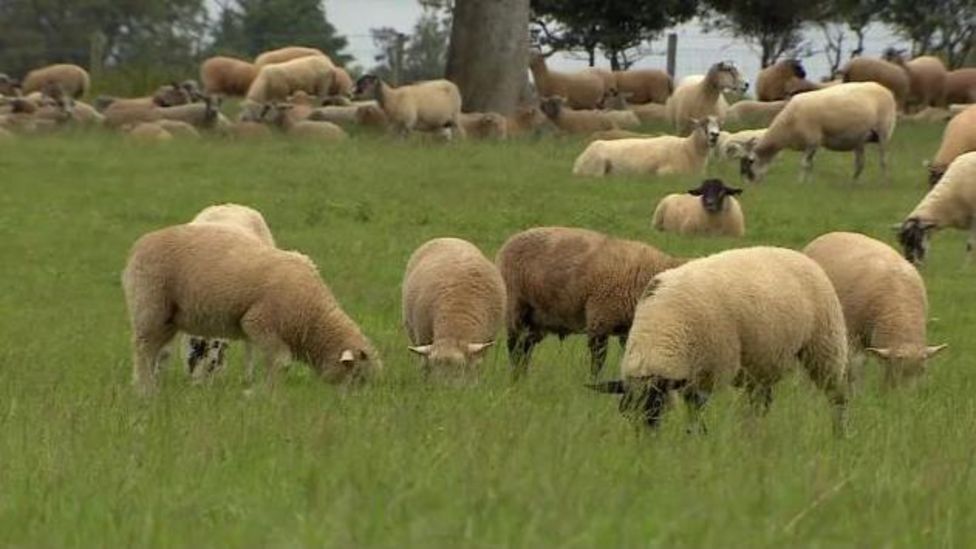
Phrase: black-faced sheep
[709,209]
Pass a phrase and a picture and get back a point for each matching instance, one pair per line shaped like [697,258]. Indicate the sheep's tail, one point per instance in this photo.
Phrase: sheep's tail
[592,162]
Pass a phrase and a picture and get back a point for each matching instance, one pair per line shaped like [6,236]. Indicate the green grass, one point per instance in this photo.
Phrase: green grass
[83,462]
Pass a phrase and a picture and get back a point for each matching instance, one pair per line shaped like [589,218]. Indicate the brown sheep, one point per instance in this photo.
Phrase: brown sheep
[961,86]
[926,76]
[227,76]
[73,79]
[582,90]
[889,75]
[772,81]
[573,121]
[959,137]
[642,86]
[287,53]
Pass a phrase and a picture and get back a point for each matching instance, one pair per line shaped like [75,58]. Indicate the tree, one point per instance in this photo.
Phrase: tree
[840,16]
[946,27]
[774,25]
[488,56]
[423,53]
[617,27]
[249,27]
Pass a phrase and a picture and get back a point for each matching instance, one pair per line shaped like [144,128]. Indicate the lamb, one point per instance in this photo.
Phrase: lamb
[738,145]
[697,99]
[582,90]
[771,84]
[168,95]
[434,105]
[889,75]
[489,125]
[568,281]
[644,85]
[926,78]
[213,281]
[86,115]
[663,155]
[73,79]
[623,119]
[961,86]
[453,304]
[312,74]
[288,53]
[227,76]
[709,209]
[883,299]
[840,118]
[958,137]
[951,203]
[573,121]
[743,316]
[753,114]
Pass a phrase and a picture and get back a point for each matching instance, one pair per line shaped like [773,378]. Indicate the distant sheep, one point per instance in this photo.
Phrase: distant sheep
[149,132]
[453,304]
[738,145]
[961,86]
[771,84]
[926,77]
[611,135]
[484,125]
[288,53]
[651,113]
[227,76]
[709,209]
[575,121]
[434,105]
[277,116]
[698,99]
[73,79]
[642,86]
[753,114]
[744,316]
[568,281]
[276,82]
[959,137]
[582,90]
[527,119]
[889,75]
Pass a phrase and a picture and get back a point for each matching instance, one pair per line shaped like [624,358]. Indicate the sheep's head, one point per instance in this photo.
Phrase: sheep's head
[728,77]
[906,362]
[710,128]
[342,84]
[552,106]
[351,366]
[368,85]
[797,67]
[753,166]
[913,235]
[713,193]
[171,95]
[641,400]
[192,89]
[204,355]
[448,356]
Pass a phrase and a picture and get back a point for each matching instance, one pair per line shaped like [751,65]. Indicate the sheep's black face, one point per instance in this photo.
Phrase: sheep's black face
[798,70]
[713,193]
[914,239]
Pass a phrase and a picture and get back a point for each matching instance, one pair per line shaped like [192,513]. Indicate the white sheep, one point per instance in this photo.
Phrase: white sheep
[433,105]
[698,98]
[212,281]
[562,281]
[312,74]
[958,137]
[285,54]
[949,204]
[735,146]
[72,79]
[709,209]
[662,155]
[743,316]
[839,118]
[453,304]
[884,302]
[753,114]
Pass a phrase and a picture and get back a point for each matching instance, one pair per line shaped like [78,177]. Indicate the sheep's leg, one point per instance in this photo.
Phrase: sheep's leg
[822,366]
[858,162]
[520,344]
[598,353]
[807,164]
[148,349]
[760,397]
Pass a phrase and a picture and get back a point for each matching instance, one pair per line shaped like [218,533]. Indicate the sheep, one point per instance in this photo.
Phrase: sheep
[149,132]
[743,316]
[204,115]
[736,146]
[612,135]
[839,118]
[288,53]
[961,86]
[569,281]
[951,203]
[73,79]
[753,114]
[698,99]
[797,86]
[929,115]
[574,121]
[651,113]
[709,209]
[771,84]
[342,84]
[883,299]
[372,116]
[249,130]
[86,115]
[926,79]
[528,119]
[488,125]
[453,304]
[335,114]
[889,75]
[312,74]
[227,76]
[178,128]
[615,108]
[644,85]
[434,105]
[277,116]
[212,281]
[168,95]
[662,155]
[958,137]
[582,90]
[609,80]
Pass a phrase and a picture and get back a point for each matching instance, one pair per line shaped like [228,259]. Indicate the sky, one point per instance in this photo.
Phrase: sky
[696,49]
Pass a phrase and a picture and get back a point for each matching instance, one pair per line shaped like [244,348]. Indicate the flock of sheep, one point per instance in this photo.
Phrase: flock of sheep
[740,317]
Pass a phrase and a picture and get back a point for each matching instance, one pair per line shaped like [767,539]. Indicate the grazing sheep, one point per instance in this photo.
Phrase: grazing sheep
[662,155]
[213,281]
[568,281]
[149,132]
[277,116]
[889,75]
[227,76]
[453,303]
[709,209]
[951,203]
[743,316]
[839,118]
[73,79]
[582,90]
[644,85]
[736,146]
[753,114]
[434,105]
[771,84]
[574,121]
[698,99]
[883,298]
[312,74]
[958,137]
[487,125]
[285,54]
[651,113]
[528,119]
[961,86]
[926,78]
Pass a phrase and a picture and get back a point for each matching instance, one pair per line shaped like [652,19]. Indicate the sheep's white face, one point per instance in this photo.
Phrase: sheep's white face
[753,167]
[906,363]
[452,358]
[712,130]
[730,79]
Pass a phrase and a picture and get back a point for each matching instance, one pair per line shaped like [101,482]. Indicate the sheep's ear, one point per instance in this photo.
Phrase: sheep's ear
[883,354]
[422,350]
[347,357]
[732,191]
[696,192]
[934,350]
[615,387]
[476,348]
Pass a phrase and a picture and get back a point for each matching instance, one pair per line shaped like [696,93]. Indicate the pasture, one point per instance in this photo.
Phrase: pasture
[401,462]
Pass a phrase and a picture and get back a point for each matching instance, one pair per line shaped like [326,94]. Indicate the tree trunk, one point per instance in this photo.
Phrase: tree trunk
[488,56]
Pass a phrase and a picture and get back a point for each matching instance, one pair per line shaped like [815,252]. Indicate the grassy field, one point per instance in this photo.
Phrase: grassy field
[83,462]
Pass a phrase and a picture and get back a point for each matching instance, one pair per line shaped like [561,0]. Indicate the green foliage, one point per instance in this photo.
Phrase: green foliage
[946,27]
[774,25]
